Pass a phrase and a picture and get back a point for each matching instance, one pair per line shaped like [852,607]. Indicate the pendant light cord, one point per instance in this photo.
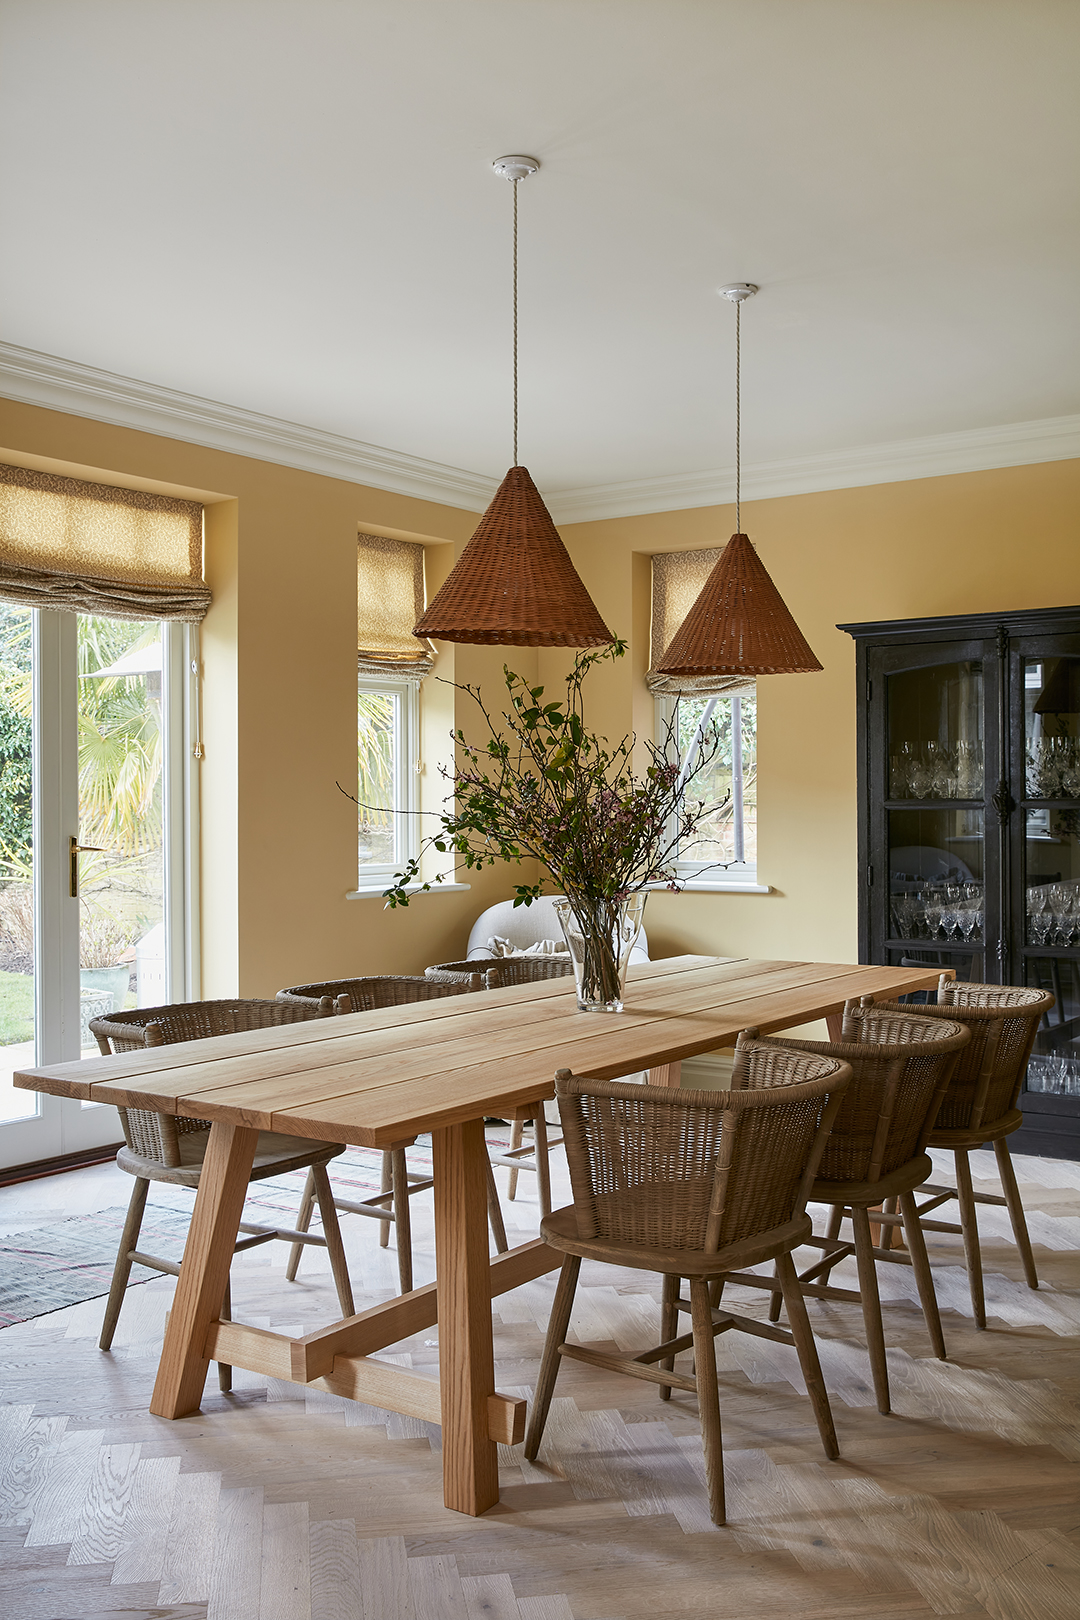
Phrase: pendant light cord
[738,413]
[515,191]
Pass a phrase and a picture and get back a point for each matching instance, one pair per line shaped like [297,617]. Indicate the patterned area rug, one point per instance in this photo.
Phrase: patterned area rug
[73,1260]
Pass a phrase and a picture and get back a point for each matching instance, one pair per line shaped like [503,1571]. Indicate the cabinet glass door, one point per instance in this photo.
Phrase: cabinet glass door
[934,813]
[1049,911]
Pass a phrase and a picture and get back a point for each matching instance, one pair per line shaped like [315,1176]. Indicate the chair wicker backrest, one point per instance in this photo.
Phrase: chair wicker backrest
[1002,1020]
[376,990]
[698,1170]
[503,970]
[153,1135]
[901,1066]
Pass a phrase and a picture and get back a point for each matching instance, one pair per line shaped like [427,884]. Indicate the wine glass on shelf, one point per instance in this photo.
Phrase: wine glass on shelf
[917,777]
[933,913]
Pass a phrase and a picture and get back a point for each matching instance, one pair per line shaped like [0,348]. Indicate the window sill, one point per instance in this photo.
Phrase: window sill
[375,891]
[719,886]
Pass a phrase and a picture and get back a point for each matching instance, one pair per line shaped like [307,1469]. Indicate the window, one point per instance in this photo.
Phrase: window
[703,712]
[725,847]
[388,747]
[391,664]
[101,592]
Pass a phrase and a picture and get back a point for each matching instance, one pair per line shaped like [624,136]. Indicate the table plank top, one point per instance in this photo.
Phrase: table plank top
[372,1078]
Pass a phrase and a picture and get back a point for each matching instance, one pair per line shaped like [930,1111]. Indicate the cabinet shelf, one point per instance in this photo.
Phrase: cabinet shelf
[939,804]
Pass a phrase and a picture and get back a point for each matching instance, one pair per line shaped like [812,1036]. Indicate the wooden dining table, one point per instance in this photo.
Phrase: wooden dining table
[379,1079]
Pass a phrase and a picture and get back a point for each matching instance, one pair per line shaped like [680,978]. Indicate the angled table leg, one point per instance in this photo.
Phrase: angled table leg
[466,1356]
[204,1271]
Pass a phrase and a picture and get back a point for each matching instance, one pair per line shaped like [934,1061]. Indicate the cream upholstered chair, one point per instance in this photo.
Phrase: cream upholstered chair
[171,1148]
[901,1065]
[523,926]
[980,1105]
[693,1184]
[398,1183]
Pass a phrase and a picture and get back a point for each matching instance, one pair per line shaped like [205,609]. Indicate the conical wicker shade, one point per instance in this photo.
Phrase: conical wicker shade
[514,584]
[739,624]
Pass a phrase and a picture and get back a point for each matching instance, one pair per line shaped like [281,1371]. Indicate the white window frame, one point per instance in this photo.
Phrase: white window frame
[739,875]
[406,787]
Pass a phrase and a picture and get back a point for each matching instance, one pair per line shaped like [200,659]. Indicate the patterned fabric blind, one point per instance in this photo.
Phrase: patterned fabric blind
[95,548]
[389,601]
[677,580]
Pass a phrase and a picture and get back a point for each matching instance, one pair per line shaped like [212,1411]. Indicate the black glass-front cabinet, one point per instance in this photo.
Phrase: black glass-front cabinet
[969,828]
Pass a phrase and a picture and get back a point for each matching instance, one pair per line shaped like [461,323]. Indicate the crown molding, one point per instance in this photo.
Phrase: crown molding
[1056,438]
[67,386]
[78,390]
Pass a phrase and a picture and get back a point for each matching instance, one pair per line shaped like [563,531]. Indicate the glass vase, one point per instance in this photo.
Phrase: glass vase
[600,934]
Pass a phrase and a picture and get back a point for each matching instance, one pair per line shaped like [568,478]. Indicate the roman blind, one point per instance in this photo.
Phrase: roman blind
[677,579]
[389,601]
[95,548]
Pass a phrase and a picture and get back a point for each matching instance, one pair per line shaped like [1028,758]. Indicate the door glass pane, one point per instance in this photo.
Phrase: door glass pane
[936,879]
[16,860]
[935,732]
[121,876]
[1051,724]
[1052,958]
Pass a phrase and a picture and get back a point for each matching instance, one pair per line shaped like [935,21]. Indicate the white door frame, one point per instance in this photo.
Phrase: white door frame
[61,1125]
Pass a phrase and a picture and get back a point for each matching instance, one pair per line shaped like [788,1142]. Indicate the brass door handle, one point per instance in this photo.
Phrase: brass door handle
[78,849]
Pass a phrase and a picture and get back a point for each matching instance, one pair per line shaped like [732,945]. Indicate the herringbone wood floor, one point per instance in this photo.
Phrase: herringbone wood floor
[272,1506]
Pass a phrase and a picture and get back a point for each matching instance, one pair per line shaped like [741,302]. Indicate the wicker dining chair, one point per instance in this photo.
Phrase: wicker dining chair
[171,1147]
[901,1066]
[390,1206]
[694,1184]
[521,1155]
[980,1105]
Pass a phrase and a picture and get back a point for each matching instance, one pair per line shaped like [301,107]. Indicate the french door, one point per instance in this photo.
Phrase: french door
[97,850]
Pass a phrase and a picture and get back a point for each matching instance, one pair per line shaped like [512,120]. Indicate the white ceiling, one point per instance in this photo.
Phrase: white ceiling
[288,206]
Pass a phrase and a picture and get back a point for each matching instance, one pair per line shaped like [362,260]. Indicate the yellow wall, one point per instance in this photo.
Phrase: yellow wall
[970,543]
[279,654]
[279,840]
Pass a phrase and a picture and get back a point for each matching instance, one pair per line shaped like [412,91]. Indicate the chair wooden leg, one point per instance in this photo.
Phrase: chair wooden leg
[129,1239]
[832,1231]
[708,1395]
[332,1233]
[543,1163]
[776,1301]
[558,1323]
[669,1326]
[969,1225]
[402,1219]
[495,1215]
[1016,1209]
[385,1184]
[303,1221]
[224,1371]
[924,1279]
[517,1132]
[891,1235]
[871,1307]
[803,1335]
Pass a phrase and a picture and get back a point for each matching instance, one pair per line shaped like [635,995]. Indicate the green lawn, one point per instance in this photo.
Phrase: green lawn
[16,1008]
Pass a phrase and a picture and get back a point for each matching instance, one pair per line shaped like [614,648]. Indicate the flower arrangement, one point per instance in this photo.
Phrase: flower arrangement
[542,785]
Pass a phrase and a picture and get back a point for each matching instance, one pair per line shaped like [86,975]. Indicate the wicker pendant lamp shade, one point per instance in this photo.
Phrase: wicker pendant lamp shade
[514,584]
[739,624]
